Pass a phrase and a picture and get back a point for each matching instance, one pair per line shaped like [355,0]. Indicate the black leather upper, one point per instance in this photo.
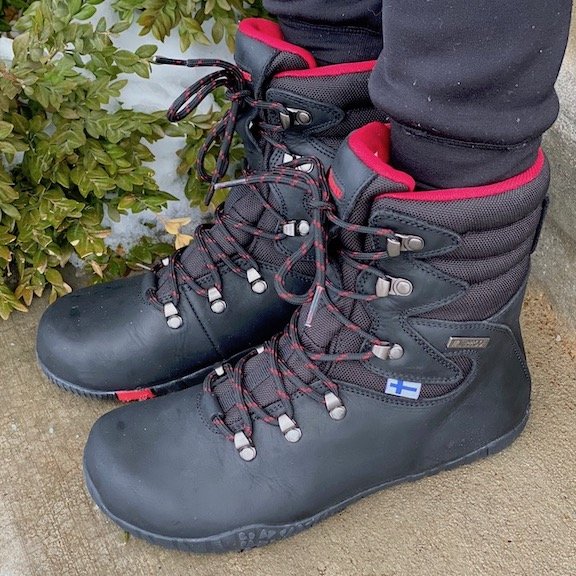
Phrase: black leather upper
[162,467]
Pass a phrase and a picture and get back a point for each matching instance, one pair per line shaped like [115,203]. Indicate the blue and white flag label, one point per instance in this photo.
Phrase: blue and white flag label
[403,388]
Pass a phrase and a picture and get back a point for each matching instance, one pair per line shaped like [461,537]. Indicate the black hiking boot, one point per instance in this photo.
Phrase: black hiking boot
[408,361]
[165,330]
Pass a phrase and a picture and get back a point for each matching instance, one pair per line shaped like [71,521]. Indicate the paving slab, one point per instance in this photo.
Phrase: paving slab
[512,514]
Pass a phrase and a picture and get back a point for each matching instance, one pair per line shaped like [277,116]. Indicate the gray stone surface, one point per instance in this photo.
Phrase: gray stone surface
[513,514]
[555,260]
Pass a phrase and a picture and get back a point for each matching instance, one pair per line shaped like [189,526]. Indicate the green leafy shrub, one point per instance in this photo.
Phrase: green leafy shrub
[78,157]
[9,12]
[69,154]
[160,17]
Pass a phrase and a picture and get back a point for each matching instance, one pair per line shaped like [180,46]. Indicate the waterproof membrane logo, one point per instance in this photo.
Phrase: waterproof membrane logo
[459,342]
[403,388]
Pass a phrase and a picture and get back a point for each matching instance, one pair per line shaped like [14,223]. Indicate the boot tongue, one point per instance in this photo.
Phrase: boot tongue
[261,52]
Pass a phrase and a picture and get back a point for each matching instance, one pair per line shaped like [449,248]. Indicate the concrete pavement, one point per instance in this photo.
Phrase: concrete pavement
[512,514]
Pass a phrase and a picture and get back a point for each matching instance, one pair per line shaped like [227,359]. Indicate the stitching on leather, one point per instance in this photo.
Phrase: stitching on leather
[187,292]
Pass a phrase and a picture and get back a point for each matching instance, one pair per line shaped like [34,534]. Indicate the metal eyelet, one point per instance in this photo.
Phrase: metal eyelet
[411,243]
[217,303]
[257,283]
[334,405]
[296,117]
[296,228]
[173,318]
[387,351]
[244,446]
[403,243]
[307,167]
[289,428]
[390,286]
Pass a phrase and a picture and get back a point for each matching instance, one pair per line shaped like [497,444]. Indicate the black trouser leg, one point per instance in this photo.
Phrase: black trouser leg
[469,85]
[335,32]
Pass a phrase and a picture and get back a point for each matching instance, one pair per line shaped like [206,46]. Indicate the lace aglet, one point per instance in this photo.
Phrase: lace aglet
[164,60]
[313,306]
[171,61]
[229,183]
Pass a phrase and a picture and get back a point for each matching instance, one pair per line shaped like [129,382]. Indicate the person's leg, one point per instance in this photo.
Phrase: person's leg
[469,87]
[334,32]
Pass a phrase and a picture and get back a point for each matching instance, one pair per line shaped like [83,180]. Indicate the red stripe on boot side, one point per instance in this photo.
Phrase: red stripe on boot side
[371,144]
[331,70]
[132,395]
[269,33]
[453,194]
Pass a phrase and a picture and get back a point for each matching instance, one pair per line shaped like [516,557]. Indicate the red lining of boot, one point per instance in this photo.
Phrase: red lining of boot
[331,70]
[269,33]
[371,144]
[452,194]
[132,395]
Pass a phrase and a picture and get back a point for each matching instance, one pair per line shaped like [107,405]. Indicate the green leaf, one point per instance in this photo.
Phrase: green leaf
[74,6]
[87,12]
[54,277]
[10,210]
[146,51]
[5,129]
[217,32]
[5,253]
[125,59]
[120,26]
[20,46]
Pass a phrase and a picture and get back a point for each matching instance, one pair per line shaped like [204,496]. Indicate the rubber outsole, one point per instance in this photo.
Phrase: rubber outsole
[257,535]
[131,395]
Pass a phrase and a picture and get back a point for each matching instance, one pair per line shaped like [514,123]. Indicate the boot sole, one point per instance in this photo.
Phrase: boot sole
[261,534]
[126,396]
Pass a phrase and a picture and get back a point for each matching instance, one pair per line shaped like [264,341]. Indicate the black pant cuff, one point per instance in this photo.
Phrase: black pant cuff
[439,162]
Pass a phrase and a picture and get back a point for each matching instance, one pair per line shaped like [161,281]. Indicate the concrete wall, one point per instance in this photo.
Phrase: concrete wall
[554,263]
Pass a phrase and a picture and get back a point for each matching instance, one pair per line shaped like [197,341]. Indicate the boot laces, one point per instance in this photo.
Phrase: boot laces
[239,94]
[317,385]
[212,241]
[218,243]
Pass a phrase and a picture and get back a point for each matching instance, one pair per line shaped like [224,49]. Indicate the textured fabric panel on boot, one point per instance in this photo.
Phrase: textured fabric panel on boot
[475,214]
[476,270]
[487,243]
[484,299]
[334,88]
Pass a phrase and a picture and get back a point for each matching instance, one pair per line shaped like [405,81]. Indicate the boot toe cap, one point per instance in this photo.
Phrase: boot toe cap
[140,467]
[90,340]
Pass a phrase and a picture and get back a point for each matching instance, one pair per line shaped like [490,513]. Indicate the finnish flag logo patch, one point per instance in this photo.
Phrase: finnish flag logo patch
[403,388]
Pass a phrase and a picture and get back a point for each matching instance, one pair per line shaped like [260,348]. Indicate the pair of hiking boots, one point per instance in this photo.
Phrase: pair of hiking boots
[348,332]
